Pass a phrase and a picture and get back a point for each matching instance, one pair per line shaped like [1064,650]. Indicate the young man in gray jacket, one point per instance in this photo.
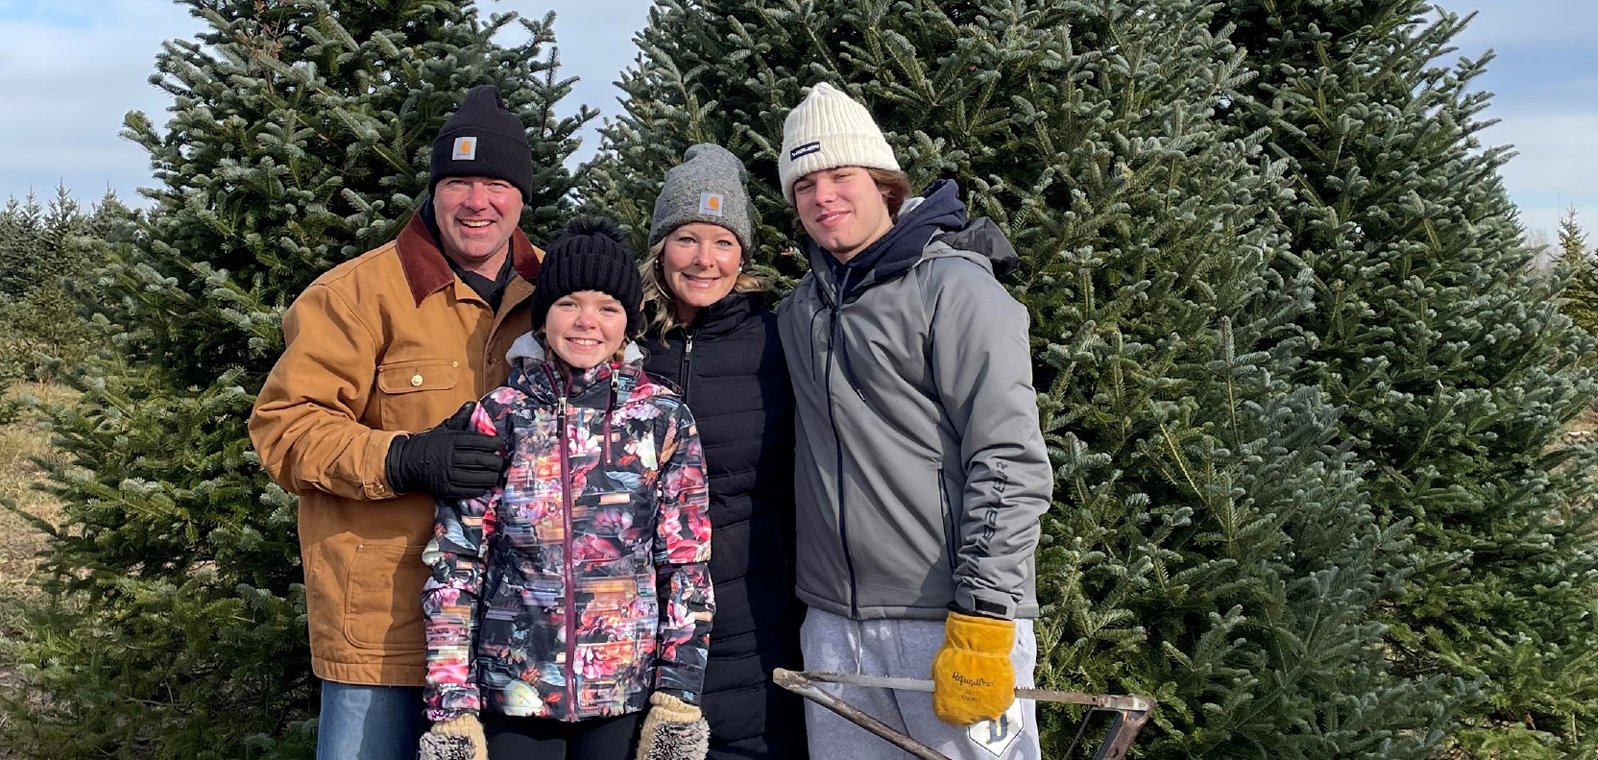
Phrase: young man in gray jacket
[921,472]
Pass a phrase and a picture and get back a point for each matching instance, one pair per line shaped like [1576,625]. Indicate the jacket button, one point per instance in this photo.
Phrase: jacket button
[454,364]
[416,379]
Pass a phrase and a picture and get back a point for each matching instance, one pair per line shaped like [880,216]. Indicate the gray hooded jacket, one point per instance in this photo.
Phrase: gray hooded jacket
[921,473]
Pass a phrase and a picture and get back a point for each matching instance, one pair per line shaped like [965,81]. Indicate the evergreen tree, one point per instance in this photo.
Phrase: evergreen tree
[41,246]
[22,239]
[43,242]
[1210,543]
[1581,266]
[1454,366]
[299,137]
[19,243]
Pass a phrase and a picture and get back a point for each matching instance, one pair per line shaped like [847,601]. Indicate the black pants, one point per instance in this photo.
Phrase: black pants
[511,738]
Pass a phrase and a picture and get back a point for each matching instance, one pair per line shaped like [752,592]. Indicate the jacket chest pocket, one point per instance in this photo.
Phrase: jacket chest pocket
[417,395]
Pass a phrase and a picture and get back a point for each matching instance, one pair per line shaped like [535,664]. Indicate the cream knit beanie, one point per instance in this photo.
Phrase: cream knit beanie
[826,130]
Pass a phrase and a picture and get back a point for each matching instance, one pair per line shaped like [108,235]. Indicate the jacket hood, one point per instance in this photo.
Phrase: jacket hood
[528,347]
[984,237]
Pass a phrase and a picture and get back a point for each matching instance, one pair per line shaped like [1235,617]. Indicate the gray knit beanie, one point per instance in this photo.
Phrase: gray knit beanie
[708,186]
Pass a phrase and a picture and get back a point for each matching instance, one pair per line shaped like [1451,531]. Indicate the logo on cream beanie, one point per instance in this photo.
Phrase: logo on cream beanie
[828,129]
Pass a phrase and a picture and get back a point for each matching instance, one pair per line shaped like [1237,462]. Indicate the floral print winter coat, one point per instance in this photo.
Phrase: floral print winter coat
[580,584]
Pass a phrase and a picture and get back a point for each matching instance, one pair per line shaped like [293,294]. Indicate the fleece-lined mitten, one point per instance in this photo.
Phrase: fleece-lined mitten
[673,730]
[459,738]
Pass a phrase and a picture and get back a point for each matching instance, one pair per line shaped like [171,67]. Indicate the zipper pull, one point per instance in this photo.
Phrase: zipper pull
[688,348]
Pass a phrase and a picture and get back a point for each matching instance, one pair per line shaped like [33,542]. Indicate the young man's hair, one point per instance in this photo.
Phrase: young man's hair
[895,187]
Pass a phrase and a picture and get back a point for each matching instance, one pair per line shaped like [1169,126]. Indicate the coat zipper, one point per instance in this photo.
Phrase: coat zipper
[686,370]
[566,556]
[610,406]
[833,334]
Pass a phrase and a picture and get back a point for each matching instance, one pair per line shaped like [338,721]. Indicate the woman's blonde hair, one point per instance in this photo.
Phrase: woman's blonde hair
[659,304]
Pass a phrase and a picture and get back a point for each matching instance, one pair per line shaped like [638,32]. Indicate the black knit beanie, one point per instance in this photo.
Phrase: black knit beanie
[483,139]
[589,255]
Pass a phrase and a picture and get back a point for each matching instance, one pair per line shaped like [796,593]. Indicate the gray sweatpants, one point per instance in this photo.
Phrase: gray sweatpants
[904,649]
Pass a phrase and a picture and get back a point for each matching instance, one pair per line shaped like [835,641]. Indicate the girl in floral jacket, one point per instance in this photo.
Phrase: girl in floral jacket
[577,593]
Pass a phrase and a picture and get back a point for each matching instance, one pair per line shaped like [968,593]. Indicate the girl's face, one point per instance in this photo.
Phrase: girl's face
[701,263]
[843,209]
[586,328]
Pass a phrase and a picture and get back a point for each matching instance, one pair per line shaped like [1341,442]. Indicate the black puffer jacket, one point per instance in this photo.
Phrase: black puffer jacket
[729,366]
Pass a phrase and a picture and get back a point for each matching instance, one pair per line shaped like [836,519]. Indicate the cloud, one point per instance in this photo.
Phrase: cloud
[1558,154]
[69,81]
[50,13]
[1510,23]
[71,77]
[1546,98]
[595,43]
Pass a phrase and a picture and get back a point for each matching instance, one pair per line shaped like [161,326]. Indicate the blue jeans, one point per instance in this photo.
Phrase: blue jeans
[369,722]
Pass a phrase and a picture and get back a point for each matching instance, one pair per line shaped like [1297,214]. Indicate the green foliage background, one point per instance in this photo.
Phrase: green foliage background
[1302,394]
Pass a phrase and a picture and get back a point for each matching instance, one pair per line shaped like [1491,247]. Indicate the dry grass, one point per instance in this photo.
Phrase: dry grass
[20,542]
[20,443]
[1585,424]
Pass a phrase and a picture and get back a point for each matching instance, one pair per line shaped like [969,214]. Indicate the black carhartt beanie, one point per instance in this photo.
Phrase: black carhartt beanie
[589,255]
[483,139]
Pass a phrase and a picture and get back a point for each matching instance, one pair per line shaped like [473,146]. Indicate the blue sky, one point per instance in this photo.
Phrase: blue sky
[70,70]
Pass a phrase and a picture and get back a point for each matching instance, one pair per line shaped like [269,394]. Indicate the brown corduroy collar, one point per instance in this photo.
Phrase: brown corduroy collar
[427,271]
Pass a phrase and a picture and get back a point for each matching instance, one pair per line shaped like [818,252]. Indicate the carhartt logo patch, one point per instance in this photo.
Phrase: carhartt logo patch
[804,150]
[465,149]
[710,203]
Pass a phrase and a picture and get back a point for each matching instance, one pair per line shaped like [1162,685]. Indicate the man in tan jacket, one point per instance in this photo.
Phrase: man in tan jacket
[378,353]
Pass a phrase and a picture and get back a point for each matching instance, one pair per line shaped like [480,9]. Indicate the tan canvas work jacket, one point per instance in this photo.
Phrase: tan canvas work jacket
[389,342]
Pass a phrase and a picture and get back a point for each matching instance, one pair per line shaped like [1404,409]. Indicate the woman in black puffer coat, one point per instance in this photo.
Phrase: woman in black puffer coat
[711,336]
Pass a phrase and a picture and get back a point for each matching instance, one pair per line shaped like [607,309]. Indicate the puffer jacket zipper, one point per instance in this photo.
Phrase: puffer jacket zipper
[570,626]
[610,409]
[686,370]
[834,335]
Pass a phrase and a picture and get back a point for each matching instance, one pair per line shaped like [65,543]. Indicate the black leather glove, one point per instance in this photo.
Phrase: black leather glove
[449,461]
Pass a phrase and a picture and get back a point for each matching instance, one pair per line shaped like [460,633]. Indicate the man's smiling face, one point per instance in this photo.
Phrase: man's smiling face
[476,216]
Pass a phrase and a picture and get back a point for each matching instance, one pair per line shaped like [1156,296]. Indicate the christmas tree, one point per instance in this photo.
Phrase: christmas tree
[298,138]
[1580,265]
[1456,370]
[43,247]
[22,233]
[42,242]
[1210,543]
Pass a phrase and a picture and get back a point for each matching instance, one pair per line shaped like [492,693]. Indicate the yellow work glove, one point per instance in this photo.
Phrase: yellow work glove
[459,738]
[673,730]
[972,678]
